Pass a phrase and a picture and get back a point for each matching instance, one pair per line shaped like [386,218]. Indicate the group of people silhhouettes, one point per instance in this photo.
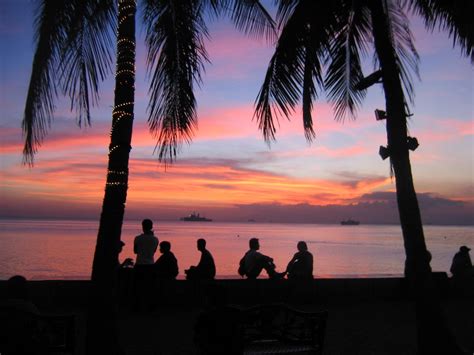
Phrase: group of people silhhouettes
[250,266]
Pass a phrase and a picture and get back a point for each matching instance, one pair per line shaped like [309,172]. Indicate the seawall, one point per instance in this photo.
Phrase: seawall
[74,293]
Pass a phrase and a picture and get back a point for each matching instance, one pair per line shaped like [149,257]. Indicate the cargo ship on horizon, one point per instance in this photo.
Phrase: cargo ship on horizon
[195,217]
[350,222]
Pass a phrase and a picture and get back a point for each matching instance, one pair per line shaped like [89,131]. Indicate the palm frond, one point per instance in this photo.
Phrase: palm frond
[453,16]
[295,69]
[344,71]
[87,56]
[175,32]
[50,32]
[402,40]
[285,9]
[281,88]
[250,17]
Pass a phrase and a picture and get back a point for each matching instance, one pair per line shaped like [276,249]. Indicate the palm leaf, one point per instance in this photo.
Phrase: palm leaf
[250,17]
[402,39]
[295,68]
[50,35]
[344,70]
[454,16]
[87,56]
[175,32]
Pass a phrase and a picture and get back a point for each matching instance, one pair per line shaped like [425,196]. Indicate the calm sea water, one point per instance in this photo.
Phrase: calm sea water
[52,249]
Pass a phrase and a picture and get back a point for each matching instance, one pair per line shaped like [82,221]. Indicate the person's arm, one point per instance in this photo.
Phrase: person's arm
[175,267]
[292,261]
[266,258]
[135,245]
[310,263]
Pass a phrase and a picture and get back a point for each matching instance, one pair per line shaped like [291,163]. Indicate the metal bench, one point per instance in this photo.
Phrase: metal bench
[280,329]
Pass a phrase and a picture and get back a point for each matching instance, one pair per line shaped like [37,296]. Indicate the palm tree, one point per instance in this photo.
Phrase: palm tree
[75,41]
[334,35]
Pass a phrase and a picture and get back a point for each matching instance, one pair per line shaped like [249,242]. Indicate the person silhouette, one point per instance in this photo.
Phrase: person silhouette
[206,268]
[166,267]
[128,262]
[300,266]
[19,325]
[145,244]
[253,262]
[461,266]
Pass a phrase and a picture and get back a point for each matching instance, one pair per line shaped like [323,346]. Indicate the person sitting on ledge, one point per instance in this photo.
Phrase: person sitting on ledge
[166,267]
[128,262]
[461,266]
[206,269]
[253,262]
[300,266]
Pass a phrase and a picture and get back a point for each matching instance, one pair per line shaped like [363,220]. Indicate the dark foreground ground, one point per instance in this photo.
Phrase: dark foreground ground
[365,316]
[358,328]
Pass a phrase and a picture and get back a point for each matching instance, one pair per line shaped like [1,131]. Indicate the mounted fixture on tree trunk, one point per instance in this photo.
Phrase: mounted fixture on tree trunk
[384,152]
[380,115]
[412,143]
[368,81]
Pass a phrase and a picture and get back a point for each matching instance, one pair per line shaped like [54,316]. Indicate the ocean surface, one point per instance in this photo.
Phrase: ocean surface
[59,249]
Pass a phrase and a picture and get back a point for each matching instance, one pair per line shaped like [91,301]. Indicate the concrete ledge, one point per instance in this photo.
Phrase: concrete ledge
[68,293]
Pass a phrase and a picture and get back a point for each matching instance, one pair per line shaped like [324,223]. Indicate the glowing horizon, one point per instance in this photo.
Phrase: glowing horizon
[228,165]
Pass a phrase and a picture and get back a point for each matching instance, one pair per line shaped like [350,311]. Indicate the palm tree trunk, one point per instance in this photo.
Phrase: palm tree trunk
[417,260]
[102,335]
[433,334]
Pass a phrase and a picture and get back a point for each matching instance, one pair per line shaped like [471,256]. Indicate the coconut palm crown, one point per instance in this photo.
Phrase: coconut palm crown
[75,44]
[320,48]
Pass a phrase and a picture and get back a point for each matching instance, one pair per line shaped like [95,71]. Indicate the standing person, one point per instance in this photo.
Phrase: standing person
[300,266]
[145,244]
[462,265]
[253,262]
[166,267]
[206,269]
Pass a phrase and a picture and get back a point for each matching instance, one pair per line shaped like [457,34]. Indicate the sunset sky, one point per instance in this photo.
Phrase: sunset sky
[228,172]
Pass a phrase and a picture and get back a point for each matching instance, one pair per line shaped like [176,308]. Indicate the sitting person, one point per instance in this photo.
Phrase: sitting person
[300,266]
[206,269]
[253,262]
[461,266]
[128,262]
[19,325]
[166,267]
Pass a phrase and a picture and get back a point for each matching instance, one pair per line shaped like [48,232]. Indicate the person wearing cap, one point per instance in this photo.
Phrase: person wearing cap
[462,265]
[253,262]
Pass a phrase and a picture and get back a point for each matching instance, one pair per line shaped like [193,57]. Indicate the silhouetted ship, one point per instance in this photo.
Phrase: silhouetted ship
[195,217]
[350,222]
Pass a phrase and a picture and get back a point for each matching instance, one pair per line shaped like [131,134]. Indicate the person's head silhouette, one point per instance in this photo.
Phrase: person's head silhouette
[165,247]
[147,225]
[201,244]
[254,243]
[17,288]
[302,246]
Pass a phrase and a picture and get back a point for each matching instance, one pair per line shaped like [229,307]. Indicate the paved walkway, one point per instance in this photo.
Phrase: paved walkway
[360,328]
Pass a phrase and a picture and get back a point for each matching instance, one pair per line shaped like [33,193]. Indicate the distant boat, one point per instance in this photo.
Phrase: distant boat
[350,222]
[195,217]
